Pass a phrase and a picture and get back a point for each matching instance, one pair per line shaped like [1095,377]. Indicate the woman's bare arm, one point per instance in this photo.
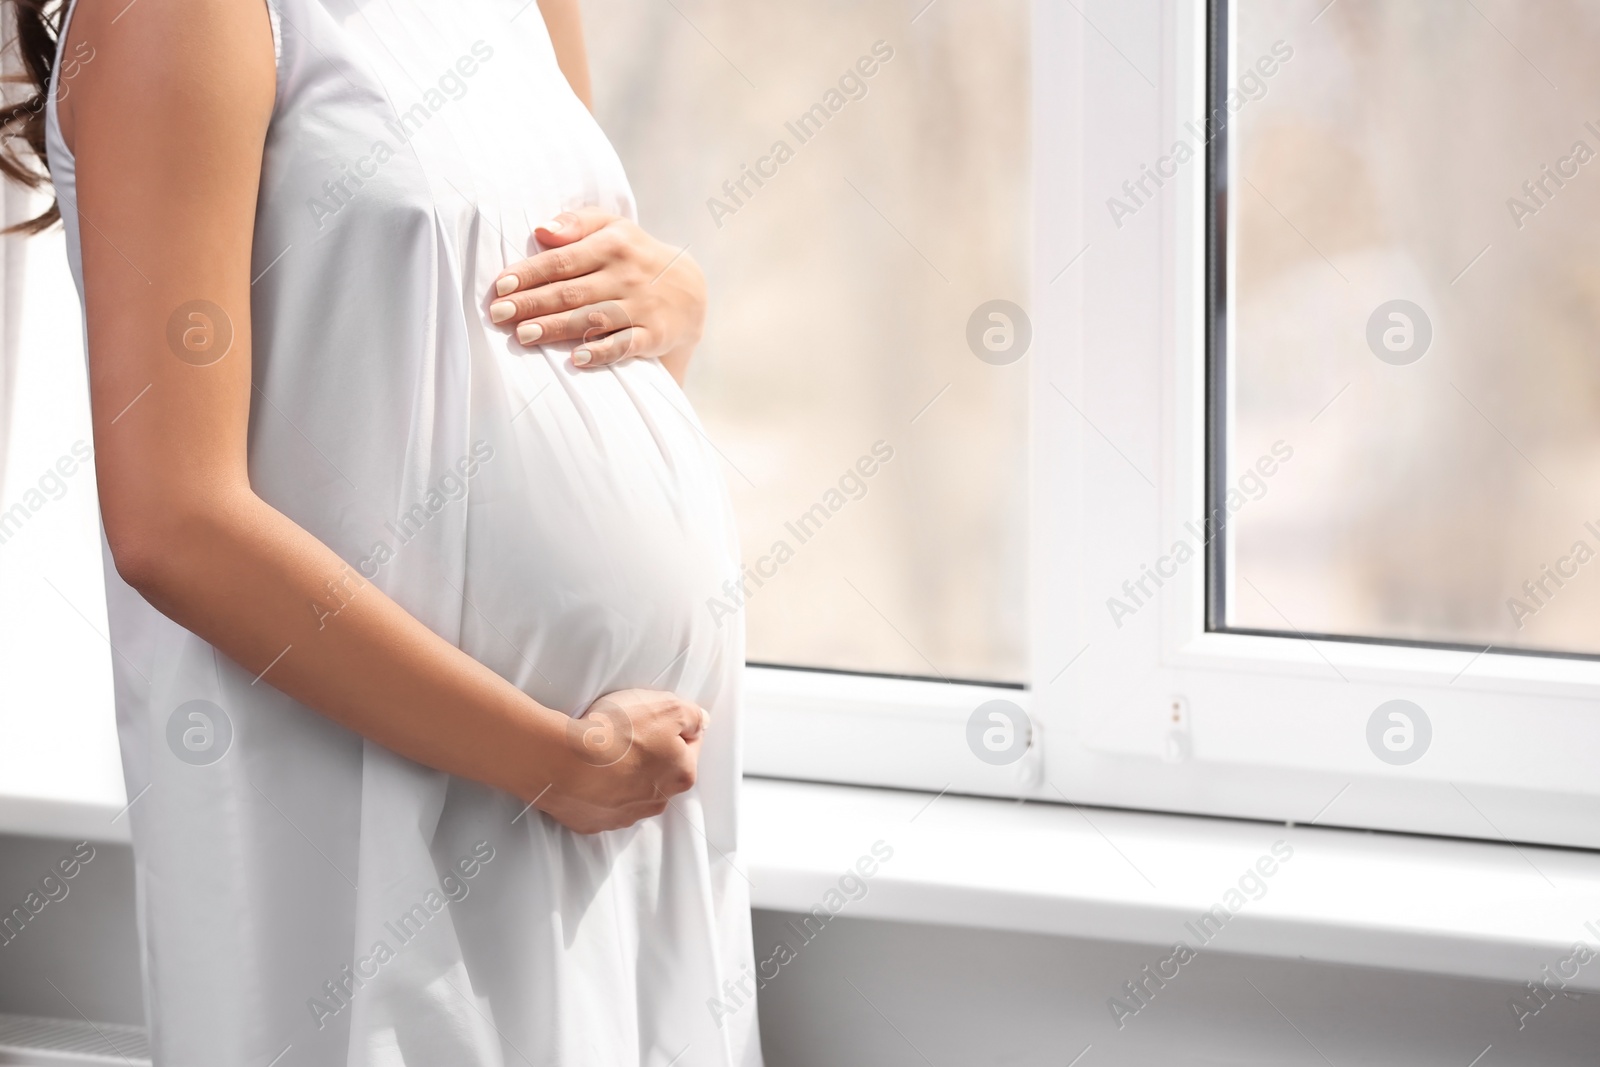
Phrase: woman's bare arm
[564,21]
[168,126]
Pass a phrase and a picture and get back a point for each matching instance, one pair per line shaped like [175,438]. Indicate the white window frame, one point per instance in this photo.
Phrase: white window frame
[1161,714]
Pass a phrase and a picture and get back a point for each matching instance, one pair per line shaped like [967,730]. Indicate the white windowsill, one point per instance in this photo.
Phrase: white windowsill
[1466,908]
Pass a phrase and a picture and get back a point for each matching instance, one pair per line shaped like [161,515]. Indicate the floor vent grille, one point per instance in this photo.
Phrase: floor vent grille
[34,1040]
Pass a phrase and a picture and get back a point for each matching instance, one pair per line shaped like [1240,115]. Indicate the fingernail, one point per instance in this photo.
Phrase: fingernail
[501,310]
[553,226]
[506,286]
[581,357]
[529,332]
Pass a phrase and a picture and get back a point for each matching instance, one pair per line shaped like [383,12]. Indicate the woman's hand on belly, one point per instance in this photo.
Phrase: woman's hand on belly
[607,284]
[631,752]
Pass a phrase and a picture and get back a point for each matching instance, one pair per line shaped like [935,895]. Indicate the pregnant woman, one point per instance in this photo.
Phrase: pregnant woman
[430,743]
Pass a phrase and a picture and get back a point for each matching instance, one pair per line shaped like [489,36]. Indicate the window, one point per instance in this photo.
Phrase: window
[1269,599]
[1236,364]
[1410,309]
[55,664]
[854,179]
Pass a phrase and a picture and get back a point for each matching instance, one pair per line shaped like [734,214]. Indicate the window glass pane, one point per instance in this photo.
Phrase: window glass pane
[1414,209]
[849,223]
[55,663]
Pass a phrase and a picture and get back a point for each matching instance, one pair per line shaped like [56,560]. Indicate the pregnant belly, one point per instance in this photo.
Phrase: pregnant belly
[597,536]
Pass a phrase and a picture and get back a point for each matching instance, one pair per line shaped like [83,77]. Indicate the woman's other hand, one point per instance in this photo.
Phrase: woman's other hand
[631,752]
[607,284]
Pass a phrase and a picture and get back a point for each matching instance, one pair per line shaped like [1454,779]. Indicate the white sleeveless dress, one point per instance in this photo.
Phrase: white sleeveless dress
[310,898]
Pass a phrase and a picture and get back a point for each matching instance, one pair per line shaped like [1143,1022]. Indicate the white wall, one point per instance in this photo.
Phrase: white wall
[876,994]
[861,994]
[86,943]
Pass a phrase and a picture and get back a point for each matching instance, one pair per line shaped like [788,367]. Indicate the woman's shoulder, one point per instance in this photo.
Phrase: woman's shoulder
[172,63]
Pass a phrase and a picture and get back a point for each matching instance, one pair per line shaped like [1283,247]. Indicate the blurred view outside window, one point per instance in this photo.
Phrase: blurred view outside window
[853,175]
[1414,202]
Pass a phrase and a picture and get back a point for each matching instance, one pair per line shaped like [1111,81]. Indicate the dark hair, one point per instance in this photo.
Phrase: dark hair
[37,24]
